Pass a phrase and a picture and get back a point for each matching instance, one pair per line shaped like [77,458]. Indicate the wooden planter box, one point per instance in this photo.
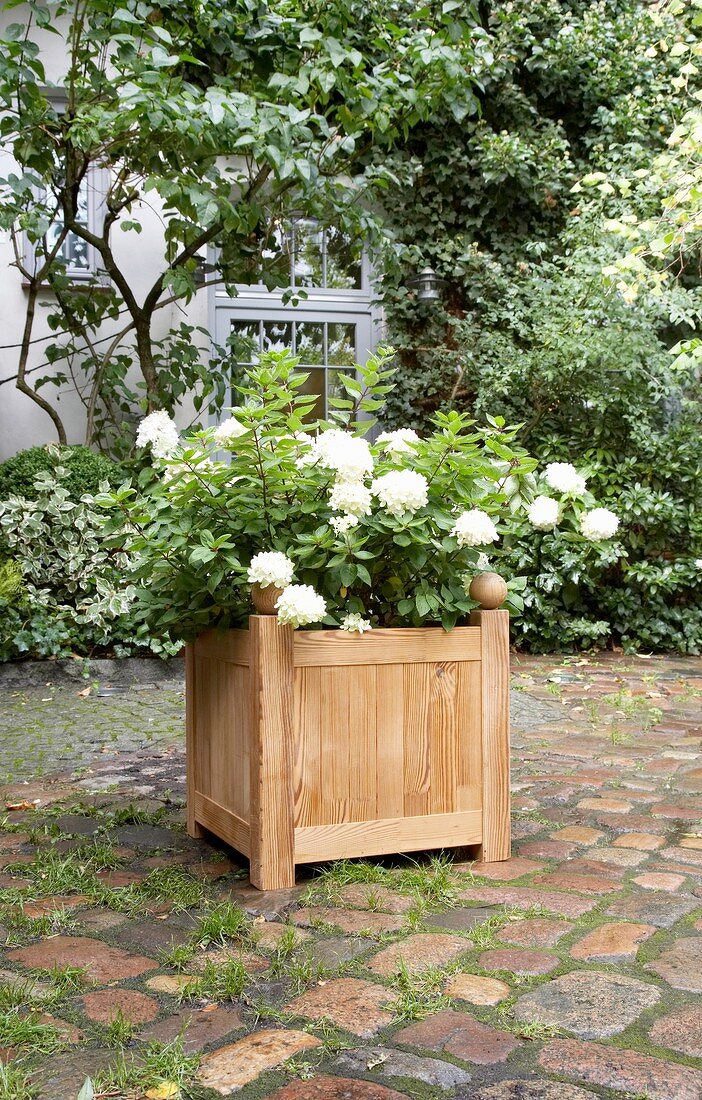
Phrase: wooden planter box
[306,746]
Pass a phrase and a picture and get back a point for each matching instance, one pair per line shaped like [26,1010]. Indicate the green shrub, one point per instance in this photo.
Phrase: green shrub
[65,592]
[591,380]
[84,470]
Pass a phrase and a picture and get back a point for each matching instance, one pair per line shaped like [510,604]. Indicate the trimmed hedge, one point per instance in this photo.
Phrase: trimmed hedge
[85,470]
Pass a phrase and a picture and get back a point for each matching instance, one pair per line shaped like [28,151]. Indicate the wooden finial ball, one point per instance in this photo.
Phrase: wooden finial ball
[264,598]
[489,590]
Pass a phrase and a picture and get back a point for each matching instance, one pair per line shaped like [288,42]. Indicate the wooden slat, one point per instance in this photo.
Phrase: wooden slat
[193,743]
[469,784]
[419,645]
[224,699]
[390,741]
[362,779]
[222,822]
[272,801]
[416,691]
[309,726]
[369,838]
[494,632]
[335,745]
[224,645]
[443,737]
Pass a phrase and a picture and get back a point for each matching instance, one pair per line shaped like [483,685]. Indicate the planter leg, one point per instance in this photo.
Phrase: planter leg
[272,832]
[191,762]
[494,632]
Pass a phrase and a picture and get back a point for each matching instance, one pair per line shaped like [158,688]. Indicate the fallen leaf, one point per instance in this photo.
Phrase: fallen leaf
[23,805]
[166,1091]
[85,692]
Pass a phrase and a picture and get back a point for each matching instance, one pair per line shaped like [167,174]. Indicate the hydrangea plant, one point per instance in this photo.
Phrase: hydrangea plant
[356,533]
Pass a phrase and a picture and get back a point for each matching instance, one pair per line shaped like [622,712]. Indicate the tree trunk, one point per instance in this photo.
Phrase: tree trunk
[20,383]
[142,326]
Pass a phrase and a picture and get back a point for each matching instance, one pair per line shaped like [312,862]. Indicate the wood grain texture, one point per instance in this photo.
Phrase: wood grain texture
[223,823]
[310,731]
[390,742]
[408,645]
[224,645]
[192,745]
[400,834]
[272,756]
[494,633]
[469,781]
[417,692]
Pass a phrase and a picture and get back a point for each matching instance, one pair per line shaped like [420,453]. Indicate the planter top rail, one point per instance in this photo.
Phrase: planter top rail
[382,646]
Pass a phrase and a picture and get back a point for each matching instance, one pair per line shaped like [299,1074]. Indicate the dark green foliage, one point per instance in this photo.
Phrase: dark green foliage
[85,470]
[528,328]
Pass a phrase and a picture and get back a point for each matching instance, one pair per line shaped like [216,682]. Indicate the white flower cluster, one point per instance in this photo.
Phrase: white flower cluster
[356,624]
[563,477]
[394,443]
[160,432]
[401,491]
[351,497]
[228,431]
[300,605]
[271,567]
[348,455]
[342,524]
[600,523]
[474,528]
[543,513]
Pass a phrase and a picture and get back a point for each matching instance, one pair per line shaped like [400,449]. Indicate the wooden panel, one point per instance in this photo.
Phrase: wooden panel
[494,632]
[390,741]
[272,755]
[366,838]
[469,788]
[224,645]
[417,694]
[403,646]
[310,728]
[222,822]
[222,702]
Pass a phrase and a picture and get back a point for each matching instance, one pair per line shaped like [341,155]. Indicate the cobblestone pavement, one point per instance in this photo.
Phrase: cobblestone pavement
[66,725]
[142,959]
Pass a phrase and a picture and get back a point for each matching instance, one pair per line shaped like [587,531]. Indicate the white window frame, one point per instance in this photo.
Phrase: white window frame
[255,303]
[97,181]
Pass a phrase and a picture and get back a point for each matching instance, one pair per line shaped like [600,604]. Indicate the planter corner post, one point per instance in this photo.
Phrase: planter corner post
[272,837]
[191,758]
[490,591]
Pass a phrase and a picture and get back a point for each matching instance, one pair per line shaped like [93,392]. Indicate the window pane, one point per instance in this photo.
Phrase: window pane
[277,335]
[309,342]
[244,341]
[74,249]
[307,260]
[334,385]
[315,385]
[341,340]
[343,261]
